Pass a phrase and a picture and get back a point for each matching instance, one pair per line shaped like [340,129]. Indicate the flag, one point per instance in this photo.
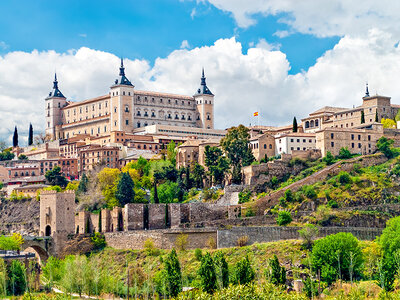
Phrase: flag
[256,114]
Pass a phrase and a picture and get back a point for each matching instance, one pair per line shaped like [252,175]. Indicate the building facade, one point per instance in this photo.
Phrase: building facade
[124,108]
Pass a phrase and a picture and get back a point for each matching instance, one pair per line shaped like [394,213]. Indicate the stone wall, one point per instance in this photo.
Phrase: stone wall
[20,216]
[332,170]
[229,238]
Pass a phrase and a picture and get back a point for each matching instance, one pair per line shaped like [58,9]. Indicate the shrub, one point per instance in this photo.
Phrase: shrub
[308,233]
[98,240]
[289,197]
[384,145]
[243,272]
[357,168]
[249,212]
[332,255]
[198,254]
[282,202]
[283,218]
[311,288]
[173,274]
[333,204]
[150,248]
[344,177]
[221,270]
[181,242]
[244,196]
[242,241]
[275,273]
[208,278]
[309,192]
[344,153]
[328,159]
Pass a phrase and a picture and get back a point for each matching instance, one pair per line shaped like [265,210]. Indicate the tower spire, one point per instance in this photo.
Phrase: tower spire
[203,86]
[56,91]
[122,78]
[366,91]
[122,69]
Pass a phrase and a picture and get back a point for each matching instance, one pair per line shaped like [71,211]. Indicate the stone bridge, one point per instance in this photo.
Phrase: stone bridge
[43,246]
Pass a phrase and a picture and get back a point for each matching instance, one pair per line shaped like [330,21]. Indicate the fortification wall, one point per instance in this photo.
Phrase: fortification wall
[20,216]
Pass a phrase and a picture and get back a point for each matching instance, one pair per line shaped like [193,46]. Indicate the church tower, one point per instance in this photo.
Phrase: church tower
[205,105]
[55,101]
[122,112]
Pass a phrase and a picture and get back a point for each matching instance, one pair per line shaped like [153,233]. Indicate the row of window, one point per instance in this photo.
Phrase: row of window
[312,123]
[138,100]
[353,136]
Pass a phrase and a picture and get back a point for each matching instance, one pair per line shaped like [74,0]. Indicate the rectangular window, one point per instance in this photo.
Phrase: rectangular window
[332,144]
[359,145]
[126,122]
[352,136]
[331,135]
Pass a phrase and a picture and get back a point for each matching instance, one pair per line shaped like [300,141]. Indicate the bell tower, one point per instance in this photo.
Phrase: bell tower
[205,105]
[55,101]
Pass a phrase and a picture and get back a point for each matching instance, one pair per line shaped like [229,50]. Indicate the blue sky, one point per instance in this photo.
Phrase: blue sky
[143,29]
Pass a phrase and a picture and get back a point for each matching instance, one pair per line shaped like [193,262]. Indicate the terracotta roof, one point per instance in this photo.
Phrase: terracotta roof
[166,95]
[296,134]
[78,103]
[327,109]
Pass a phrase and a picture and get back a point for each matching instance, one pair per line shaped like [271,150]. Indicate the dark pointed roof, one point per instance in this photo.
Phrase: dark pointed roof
[55,92]
[366,91]
[203,90]
[122,78]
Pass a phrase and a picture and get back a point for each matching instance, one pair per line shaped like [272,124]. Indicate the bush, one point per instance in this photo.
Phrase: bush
[308,233]
[289,197]
[384,145]
[344,153]
[249,212]
[283,218]
[244,196]
[333,204]
[275,273]
[98,240]
[309,192]
[198,254]
[243,272]
[173,274]
[150,248]
[242,241]
[181,242]
[328,159]
[282,202]
[221,270]
[311,288]
[344,177]
[208,278]
[332,255]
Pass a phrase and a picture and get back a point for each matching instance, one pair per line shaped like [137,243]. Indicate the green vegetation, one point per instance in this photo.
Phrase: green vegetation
[55,177]
[284,218]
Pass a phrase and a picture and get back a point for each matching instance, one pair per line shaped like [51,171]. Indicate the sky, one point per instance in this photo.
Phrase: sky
[282,58]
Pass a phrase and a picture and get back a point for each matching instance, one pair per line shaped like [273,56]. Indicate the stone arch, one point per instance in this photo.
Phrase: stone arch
[40,253]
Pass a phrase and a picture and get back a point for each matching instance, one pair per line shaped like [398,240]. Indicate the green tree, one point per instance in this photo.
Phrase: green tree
[83,184]
[221,270]
[283,218]
[384,145]
[125,193]
[308,233]
[16,278]
[22,157]
[6,155]
[236,146]
[362,117]
[15,137]
[335,254]
[208,278]
[376,116]
[55,177]
[198,175]
[216,163]
[344,153]
[276,273]
[294,124]
[328,159]
[173,273]
[171,152]
[167,192]
[30,135]
[243,272]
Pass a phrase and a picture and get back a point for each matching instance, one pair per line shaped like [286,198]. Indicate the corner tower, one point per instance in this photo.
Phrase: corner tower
[121,94]
[205,105]
[55,101]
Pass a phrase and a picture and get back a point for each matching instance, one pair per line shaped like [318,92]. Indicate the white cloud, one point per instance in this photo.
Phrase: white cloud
[242,82]
[185,44]
[319,17]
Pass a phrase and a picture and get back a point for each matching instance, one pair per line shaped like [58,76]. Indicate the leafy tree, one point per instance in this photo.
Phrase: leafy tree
[125,193]
[243,272]
[384,145]
[6,155]
[221,270]
[16,278]
[188,180]
[30,135]
[171,152]
[376,116]
[55,177]
[362,117]
[83,184]
[276,273]
[283,218]
[3,146]
[53,270]
[173,273]
[168,192]
[22,157]
[236,146]
[13,242]
[388,123]
[308,233]
[335,254]
[198,175]
[328,159]
[15,137]
[216,163]
[294,124]
[208,278]
[344,153]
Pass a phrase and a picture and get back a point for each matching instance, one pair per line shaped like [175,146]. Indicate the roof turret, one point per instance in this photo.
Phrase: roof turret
[55,92]
[203,90]
[122,80]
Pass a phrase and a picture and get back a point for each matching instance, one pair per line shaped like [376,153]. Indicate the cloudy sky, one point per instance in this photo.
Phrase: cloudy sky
[283,58]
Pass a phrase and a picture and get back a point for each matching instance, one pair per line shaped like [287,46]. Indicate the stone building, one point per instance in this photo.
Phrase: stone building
[192,151]
[286,143]
[262,145]
[124,109]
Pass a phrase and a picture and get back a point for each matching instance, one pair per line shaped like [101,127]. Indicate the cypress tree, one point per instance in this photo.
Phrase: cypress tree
[207,274]
[294,124]
[100,221]
[83,184]
[156,200]
[362,117]
[15,137]
[243,272]
[221,270]
[125,193]
[30,136]
[376,116]
[173,274]
[277,274]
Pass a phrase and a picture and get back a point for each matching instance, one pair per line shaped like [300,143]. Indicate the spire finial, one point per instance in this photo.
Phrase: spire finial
[366,90]
[202,73]
[55,82]
[122,69]
[122,62]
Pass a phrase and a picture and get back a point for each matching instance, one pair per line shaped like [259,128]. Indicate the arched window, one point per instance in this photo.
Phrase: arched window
[47,230]
[312,123]
[265,146]
[307,124]
[316,123]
